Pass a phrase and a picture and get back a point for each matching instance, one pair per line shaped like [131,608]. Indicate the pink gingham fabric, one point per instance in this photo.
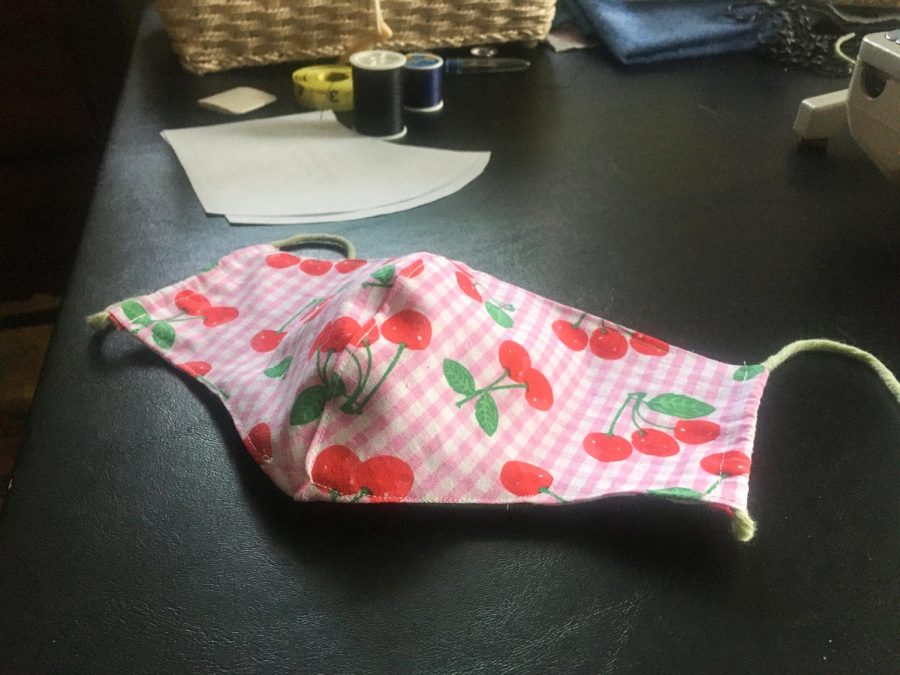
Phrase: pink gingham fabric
[418,379]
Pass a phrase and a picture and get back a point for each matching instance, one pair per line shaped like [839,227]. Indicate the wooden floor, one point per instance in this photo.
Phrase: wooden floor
[22,348]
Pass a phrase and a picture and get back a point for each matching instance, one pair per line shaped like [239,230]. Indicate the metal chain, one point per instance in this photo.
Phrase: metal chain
[804,37]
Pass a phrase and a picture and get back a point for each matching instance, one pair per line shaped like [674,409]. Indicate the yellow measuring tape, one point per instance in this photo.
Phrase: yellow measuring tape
[324,87]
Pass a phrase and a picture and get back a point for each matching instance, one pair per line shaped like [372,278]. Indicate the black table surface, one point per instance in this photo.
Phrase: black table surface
[140,536]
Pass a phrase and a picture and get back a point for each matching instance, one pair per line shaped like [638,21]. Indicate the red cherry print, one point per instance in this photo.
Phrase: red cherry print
[259,443]
[654,442]
[515,359]
[695,432]
[523,479]
[408,327]
[385,478]
[216,316]
[649,346]
[191,302]
[606,448]
[468,286]
[115,322]
[342,330]
[538,392]
[368,332]
[573,338]
[414,269]
[266,340]
[320,339]
[730,463]
[316,267]
[282,260]
[196,368]
[608,343]
[334,469]
[348,265]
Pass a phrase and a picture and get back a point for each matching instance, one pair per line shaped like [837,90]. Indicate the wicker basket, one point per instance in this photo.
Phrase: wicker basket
[213,35]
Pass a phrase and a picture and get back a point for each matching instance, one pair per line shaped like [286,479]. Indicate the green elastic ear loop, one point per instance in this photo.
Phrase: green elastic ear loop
[329,239]
[742,526]
[822,345]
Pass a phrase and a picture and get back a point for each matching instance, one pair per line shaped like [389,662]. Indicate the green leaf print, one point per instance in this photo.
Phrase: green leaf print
[498,315]
[486,414]
[279,369]
[136,313]
[163,334]
[679,405]
[309,405]
[676,493]
[745,373]
[385,275]
[459,378]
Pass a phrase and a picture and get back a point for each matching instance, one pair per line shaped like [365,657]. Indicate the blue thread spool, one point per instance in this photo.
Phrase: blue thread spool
[378,93]
[423,82]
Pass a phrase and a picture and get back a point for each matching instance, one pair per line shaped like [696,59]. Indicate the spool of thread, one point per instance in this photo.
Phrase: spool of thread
[378,93]
[324,87]
[423,89]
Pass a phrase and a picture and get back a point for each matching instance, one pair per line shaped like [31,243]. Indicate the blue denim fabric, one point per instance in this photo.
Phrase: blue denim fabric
[651,31]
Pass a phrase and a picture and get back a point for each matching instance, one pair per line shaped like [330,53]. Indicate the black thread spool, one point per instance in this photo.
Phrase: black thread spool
[423,82]
[378,93]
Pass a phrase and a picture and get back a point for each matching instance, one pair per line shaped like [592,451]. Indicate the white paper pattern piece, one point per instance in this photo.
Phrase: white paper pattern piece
[443,191]
[237,101]
[309,168]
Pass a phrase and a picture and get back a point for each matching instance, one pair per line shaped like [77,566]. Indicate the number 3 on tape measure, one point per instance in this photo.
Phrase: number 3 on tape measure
[324,87]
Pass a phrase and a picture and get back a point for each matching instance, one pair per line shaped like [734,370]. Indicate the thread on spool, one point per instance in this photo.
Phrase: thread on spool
[423,82]
[325,87]
[378,93]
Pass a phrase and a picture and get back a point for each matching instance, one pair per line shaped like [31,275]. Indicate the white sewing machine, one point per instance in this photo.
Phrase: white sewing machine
[871,106]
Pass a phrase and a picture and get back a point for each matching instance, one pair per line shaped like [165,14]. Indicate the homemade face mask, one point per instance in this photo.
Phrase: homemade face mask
[419,379]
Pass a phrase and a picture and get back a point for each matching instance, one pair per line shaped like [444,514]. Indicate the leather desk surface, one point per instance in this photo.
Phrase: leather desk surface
[140,536]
